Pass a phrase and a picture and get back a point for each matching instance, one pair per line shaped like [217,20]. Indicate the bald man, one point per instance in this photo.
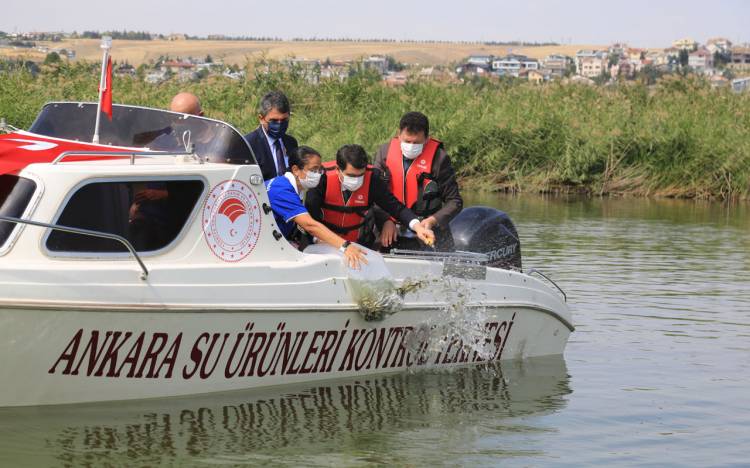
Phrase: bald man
[148,217]
[186,103]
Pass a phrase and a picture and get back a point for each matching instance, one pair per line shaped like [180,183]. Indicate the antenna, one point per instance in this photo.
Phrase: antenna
[106,45]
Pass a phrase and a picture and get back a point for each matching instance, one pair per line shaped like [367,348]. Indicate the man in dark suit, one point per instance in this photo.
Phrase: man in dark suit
[269,141]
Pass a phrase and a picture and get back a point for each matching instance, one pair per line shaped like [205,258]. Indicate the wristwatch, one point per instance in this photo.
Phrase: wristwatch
[344,246]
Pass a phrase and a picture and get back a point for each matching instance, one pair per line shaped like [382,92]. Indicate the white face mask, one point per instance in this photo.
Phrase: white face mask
[411,150]
[310,181]
[352,183]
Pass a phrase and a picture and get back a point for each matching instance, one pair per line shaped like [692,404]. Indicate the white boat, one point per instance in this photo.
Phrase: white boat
[112,290]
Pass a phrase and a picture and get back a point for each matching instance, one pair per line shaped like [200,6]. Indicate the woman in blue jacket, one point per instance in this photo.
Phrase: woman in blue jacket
[286,194]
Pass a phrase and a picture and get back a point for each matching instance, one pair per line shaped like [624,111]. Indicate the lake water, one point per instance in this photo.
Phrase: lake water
[657,372]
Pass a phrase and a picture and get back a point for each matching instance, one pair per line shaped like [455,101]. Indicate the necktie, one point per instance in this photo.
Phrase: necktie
[280,166]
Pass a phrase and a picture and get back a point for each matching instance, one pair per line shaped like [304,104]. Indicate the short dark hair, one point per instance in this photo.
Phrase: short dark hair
[273,100]
[414,122]
[300,156]
[352,154]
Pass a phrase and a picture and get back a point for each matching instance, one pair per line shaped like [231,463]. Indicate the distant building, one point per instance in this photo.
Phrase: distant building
[591,67]
[472,69]
[557,64]
[588,54]
[618,48]
[687,44]
[176,37]
[701,60]
[432,73]
[719,44]
[622,69]
[176,66]
[659,59]
[718,81]
[335,71]
[187,75]
[233,75]
[395,79]
[513,65]
[481,60]
[740,57]
[308,69]
[634,54]
[377,63]
[155,77]
[125,69]
[538,76]
[740,85]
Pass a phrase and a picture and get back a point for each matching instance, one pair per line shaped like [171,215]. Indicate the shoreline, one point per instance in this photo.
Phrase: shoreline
[479,185]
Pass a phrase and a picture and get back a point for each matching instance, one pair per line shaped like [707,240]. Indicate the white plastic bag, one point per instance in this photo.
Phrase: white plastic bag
[371,286]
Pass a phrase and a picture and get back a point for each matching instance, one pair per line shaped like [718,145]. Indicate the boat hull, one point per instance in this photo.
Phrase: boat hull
[53,356]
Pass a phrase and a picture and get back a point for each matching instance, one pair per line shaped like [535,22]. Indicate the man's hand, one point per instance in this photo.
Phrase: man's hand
[355,256]
[133,212]
[388,234]
[425,235]
[429,223]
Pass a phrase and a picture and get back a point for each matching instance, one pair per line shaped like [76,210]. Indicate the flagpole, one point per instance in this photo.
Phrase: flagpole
[106,45]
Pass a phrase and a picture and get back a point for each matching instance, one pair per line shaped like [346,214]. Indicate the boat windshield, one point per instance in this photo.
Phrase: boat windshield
[155,129]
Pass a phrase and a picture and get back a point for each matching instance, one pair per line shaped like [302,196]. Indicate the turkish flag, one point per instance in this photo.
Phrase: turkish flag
[107,94]
[19,149]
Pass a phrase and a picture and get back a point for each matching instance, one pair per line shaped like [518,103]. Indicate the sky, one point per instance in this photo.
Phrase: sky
[642,23]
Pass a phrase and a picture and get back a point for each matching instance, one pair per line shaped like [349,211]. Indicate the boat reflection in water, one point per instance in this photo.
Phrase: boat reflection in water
[341,421]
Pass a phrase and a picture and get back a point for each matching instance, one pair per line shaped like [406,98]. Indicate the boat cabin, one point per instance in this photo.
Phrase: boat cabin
[172,186]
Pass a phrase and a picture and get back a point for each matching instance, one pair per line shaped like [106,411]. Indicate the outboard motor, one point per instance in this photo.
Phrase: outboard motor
[489,231]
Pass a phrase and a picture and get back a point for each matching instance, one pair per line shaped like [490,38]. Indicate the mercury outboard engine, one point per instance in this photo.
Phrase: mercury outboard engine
[489,231]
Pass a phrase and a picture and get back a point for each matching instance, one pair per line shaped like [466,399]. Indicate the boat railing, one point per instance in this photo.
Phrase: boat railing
[84,232]
[124,154]
[534,270]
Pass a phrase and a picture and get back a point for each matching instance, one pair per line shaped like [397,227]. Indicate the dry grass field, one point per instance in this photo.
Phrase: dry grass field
[238,52]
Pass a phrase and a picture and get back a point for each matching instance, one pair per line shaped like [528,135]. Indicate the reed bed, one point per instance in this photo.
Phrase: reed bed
[678,138]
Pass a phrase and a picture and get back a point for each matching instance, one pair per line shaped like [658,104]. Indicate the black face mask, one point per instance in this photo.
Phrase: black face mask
[277,129]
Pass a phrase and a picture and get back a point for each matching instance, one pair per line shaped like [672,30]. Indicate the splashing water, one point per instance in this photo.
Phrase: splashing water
[460,322]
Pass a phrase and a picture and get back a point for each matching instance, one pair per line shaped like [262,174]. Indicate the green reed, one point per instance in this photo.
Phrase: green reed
[677,138]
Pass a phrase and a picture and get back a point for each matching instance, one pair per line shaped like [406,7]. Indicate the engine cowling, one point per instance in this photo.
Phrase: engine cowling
[489,231]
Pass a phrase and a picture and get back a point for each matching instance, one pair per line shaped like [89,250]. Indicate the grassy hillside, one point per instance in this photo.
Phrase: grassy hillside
[239,52]
[680,138]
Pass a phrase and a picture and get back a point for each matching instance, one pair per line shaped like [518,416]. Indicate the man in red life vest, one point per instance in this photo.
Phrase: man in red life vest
[348,190]
[420,175]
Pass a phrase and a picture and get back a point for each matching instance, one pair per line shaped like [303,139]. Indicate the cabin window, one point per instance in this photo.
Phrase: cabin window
[150,214]
[15,195]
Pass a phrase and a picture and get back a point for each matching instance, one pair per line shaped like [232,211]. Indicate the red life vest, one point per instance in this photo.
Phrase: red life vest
[406,188]
[345,219]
